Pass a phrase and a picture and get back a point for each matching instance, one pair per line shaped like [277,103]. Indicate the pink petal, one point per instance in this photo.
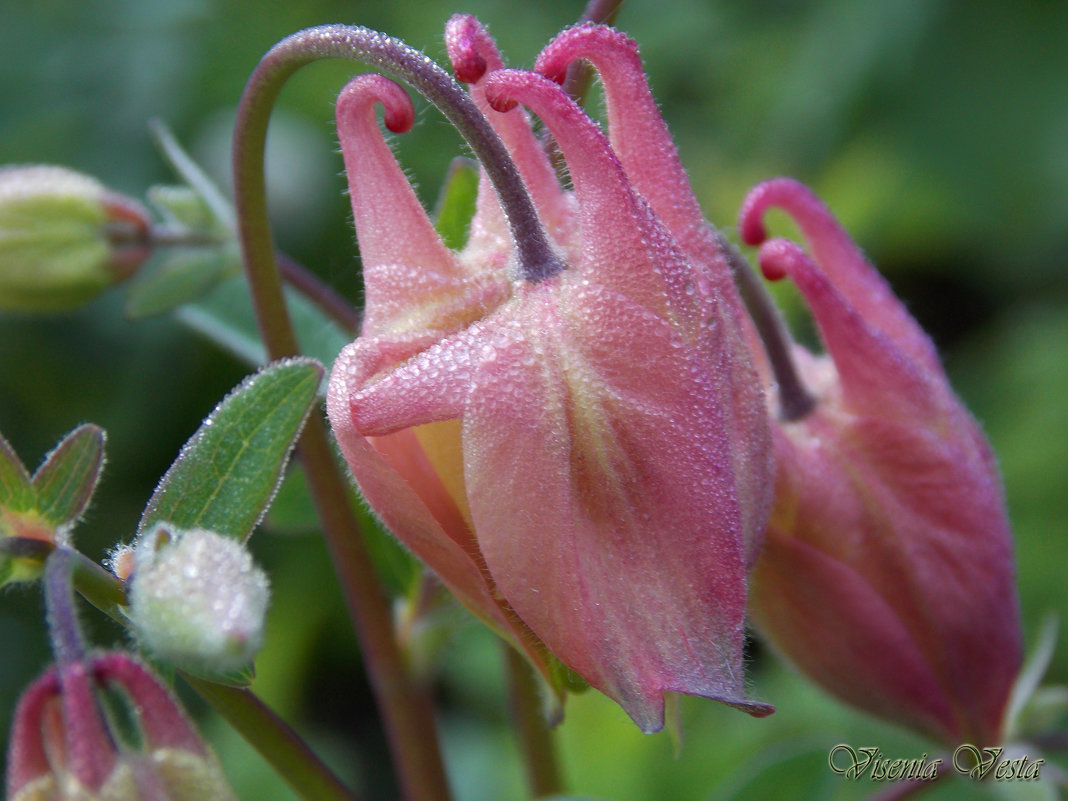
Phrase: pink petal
[399,483]
[638,256]
[877,514]
[634,254]
[604,507]
[873,661]
[405,264]
[638,134]
[834,251]
[27,757]
[474,55]
[162,722]
[877,376]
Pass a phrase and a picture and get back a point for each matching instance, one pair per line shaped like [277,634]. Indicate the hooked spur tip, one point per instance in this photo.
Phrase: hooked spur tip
[462,35]
[779,258]
[365,90]
[751,218]
[590,41]
[498,98]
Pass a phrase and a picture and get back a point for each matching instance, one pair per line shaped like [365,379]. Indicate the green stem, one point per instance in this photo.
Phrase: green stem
[273,738]
[99,587]
[264,730]
[535,738]
[795,401]
[407,714]
[321,294]
[68,644]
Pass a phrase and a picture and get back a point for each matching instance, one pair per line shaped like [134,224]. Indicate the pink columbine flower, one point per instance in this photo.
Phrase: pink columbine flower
[887,569]
[577,447]
[62,746]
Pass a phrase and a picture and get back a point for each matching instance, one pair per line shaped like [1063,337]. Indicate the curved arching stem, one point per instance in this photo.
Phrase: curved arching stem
[406,712]
[536,258]
[795,400]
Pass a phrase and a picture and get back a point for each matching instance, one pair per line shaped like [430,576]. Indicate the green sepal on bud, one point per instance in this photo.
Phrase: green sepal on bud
[64,238]
[197,600]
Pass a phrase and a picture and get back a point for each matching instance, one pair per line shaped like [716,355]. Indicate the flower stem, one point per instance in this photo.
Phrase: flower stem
[407,714]
[795,401]
[273,738]
[536,258]
[535,738]
[321,294]
[68,645]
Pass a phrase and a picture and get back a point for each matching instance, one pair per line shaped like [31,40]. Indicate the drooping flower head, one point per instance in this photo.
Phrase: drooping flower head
[887,570]
[63,747]
[577,447]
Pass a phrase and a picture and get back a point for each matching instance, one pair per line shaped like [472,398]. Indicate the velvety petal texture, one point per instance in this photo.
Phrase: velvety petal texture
[584,459]
[640,139]
[887,569]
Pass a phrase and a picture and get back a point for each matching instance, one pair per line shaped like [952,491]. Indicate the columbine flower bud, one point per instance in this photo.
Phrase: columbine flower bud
[580,451]
[887,571]
[197,599]
[62,747]
[64,238]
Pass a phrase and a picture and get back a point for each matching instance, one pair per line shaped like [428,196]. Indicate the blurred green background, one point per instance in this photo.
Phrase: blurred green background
[937,131]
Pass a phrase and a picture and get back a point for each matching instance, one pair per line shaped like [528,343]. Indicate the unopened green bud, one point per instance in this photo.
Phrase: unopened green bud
[64,237]
[197,600]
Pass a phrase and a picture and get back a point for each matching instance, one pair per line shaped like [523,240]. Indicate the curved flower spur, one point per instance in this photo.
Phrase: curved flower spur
[576,446]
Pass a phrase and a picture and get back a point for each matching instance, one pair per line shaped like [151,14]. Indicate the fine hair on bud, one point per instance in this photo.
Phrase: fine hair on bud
[197,600]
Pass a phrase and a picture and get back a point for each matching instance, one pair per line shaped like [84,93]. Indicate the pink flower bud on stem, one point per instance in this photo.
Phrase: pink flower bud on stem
[63,746]
[887,571]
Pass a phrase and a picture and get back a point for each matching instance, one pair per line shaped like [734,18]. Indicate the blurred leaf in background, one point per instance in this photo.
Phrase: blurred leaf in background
[936,130]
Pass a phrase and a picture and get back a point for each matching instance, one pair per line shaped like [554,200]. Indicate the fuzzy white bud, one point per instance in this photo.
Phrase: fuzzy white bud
[197,600]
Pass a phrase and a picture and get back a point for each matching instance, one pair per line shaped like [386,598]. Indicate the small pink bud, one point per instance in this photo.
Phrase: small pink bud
[887,570]
[62,747]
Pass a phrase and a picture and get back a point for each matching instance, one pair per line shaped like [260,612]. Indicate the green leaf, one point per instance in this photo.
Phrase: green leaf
[184,277]
[318,335]
[182,206]
[226,317]
[292,511]
[16,489]
[191,173]
[227,474]
[65,481]
[456,203]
